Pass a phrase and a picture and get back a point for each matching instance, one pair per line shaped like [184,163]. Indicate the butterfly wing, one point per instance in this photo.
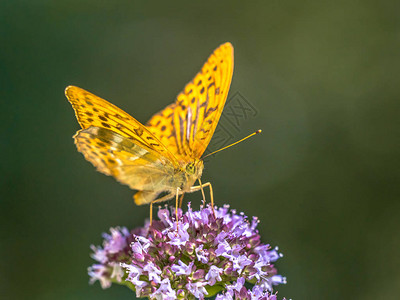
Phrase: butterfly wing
[91,110]
[187,126]
[131,164]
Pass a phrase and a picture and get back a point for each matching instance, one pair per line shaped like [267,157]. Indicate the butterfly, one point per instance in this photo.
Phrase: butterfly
[162,157]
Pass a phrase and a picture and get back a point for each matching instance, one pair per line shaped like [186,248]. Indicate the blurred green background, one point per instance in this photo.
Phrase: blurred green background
[323,177]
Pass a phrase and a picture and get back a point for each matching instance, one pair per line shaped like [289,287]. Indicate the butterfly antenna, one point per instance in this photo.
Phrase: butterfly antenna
[254,133]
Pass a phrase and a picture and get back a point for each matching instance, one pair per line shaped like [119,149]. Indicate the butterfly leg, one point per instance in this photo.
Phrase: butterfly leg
[176,206]
[202,192]
[181,201]
[164,198]
[200,187]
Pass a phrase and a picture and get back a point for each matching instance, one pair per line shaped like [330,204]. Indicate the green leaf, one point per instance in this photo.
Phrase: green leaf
[213,290]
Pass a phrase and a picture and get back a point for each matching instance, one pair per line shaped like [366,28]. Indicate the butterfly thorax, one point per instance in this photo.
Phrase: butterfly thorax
[188,174]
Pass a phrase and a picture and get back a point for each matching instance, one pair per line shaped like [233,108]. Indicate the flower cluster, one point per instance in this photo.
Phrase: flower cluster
[197,257]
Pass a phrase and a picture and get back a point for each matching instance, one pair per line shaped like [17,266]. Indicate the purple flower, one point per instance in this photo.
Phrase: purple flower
[213,275]
[195,259]
[182,269]
[197,289]
[201,254]
[164,291]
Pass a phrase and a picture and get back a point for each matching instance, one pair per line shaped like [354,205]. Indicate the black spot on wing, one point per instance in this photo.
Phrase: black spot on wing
[138,131]
[106,125]
[210,110]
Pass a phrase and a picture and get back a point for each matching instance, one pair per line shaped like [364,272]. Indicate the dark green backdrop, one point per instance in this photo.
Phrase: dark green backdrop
[322,77]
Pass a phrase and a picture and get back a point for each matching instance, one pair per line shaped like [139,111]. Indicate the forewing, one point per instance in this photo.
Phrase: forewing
[120,157]
[187,126]
[91,110]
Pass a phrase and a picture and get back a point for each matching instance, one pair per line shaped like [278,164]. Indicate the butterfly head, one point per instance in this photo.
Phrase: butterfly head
[195,169]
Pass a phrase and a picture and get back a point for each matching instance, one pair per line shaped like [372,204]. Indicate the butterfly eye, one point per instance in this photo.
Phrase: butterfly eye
[190,168]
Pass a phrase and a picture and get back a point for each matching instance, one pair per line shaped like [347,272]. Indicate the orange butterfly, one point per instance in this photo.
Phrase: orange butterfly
[163,157]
